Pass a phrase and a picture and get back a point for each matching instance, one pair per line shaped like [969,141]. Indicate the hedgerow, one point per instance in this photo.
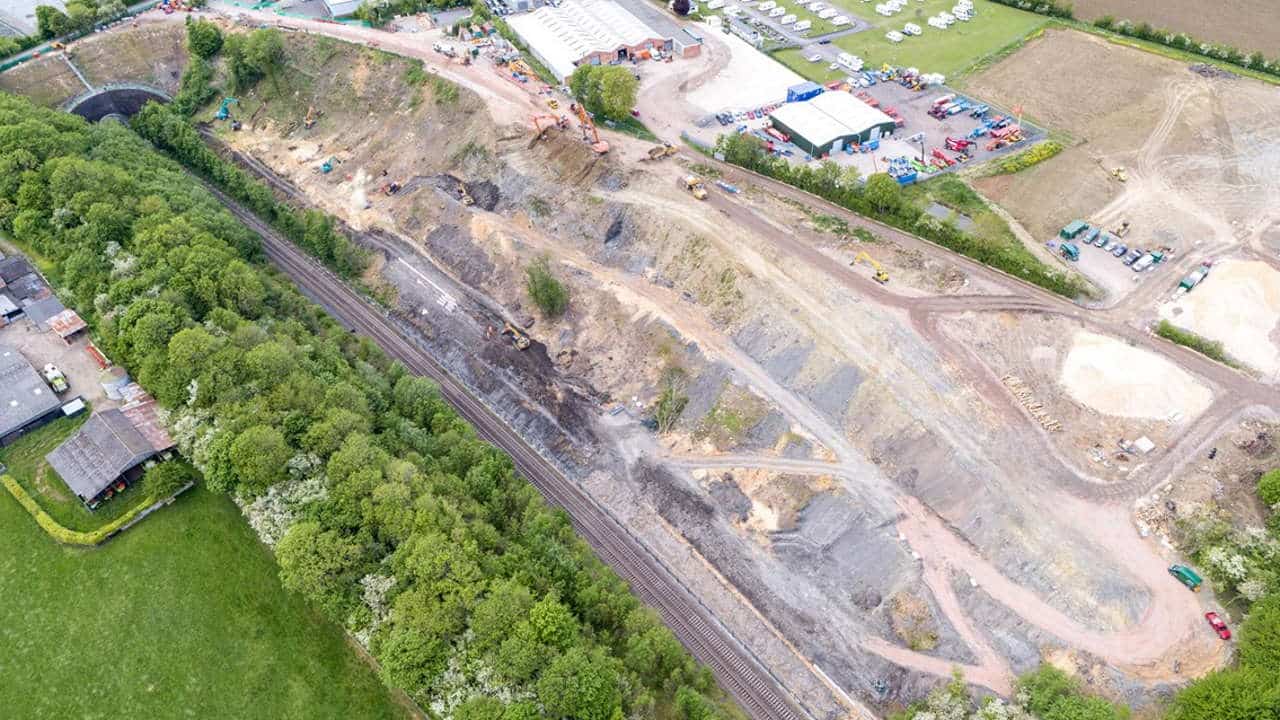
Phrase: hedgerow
[1027,158]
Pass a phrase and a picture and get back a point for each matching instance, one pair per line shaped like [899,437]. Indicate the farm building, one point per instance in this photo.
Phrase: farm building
[342,8]
[593,32]
[26,402]
[828,122]
[107,453]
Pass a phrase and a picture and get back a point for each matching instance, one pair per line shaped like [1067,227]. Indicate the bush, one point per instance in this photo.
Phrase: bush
[165,479]
[62,534]
[1269,488]
[1255,61]
[204,39]
[1052,8]
[1204,346]
[1260,635]
[1029,157]
[548,293]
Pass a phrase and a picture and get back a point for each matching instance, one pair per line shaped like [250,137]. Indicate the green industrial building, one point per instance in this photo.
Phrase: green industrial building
[830,121]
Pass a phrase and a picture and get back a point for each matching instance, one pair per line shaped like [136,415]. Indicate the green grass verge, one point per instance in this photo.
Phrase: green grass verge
[631,126]
[183,616]
[1209,348]
[817,72]
[27,466]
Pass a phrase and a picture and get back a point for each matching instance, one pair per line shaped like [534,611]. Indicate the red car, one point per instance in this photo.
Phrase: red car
[1218,625]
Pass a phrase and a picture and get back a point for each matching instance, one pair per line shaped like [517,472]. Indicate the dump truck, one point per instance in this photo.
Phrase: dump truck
[1070,252]
[1190,281]
[1074,228]
[694,185]
[1186,576]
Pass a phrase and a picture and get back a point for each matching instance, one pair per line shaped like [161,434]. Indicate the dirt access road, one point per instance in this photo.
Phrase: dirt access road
[1172,614]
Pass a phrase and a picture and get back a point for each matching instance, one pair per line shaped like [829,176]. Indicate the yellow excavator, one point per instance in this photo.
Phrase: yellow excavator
[310,120]
[880,276]
[518,339]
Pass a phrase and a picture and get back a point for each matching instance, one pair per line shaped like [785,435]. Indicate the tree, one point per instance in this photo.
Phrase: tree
[1260,635]
[80,16]
[507,604]
[479,708]
[552,623]
[548,293]
[204,39]
[410,659]
[605,90]
[582,686]
[884,193]
[680,7]
[110,9]
[164,479]
[320,564]
[1269,488]
[51,22]
[1240,694]
[259,455]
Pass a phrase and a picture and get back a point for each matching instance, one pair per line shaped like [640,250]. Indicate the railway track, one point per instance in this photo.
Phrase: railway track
[738,671]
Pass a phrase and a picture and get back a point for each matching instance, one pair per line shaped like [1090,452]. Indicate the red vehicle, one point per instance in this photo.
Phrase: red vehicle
[780,136]
[1219,626]
[960,144]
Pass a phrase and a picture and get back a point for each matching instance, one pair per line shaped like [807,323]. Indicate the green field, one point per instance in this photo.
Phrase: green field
[182,616]
[950,52]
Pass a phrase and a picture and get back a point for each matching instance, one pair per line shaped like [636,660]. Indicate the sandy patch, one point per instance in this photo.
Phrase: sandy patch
[1238,305]
[750,80]
[1116,379]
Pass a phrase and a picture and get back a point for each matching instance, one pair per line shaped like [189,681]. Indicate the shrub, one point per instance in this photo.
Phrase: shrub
[65,535]
[1209,348]
[167,478]
[1029,157]
[1269,488]
[1260,635]
[1052,8]
[672,400]
[204,39]
[548,293]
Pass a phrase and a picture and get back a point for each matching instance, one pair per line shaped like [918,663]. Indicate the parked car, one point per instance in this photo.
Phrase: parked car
[1090,236]
[1132,256]
[1103,239]
[1186,576]
[1218,625]
[1120,250]
[1111,245]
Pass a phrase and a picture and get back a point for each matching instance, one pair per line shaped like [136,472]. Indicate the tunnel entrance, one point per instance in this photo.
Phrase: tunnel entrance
[120,100]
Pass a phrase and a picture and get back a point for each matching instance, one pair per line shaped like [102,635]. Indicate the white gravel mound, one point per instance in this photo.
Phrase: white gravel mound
[1116,379]
[1238,304]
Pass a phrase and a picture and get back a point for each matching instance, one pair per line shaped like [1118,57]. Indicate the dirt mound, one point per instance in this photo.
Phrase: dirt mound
[1117,379]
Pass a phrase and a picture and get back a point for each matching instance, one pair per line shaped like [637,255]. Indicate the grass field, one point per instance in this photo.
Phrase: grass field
[949,51]
[182,616]
[26,463]
[817,72]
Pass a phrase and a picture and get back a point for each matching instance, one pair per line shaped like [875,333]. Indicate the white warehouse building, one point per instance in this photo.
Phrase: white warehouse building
[593,32]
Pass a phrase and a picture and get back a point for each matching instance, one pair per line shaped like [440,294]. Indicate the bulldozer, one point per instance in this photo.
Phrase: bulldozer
[310,120]
[1122,230]
[1120,174]
[880,275]
[518,339]
[657,152]
[694,185]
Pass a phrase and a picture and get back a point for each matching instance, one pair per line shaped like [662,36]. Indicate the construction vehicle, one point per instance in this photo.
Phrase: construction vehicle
[1120,174]
[518,339]
[224,110]
[694,185]
[55,378]
[1122,230]
[554,104]
[657,152]
[956,144]
[464,196]
[310,120]
[584,121]
[937,153]
[390,188]
[879,275]
[1070,252]
[327,166]
[554,121]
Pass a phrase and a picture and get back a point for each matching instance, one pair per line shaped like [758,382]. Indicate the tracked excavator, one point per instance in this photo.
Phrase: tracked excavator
[518,339]
[584,121]
[880,275]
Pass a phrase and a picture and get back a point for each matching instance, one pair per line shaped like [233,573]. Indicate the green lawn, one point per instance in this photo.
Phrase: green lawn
[817,72]
[182,616]
[26,463]
[951,51]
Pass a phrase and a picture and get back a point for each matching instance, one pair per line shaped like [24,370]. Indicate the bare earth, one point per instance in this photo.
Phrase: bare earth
[1246,24]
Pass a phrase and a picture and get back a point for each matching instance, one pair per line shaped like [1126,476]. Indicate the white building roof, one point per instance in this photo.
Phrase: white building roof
[828,116]
[562,36]
[850,111]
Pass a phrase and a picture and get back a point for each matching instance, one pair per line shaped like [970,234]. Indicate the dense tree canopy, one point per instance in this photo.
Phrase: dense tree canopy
[397,522]
[204,39]
[608,91]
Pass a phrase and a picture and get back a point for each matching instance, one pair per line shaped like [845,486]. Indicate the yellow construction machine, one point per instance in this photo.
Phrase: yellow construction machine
[880,276]
[310,120]
[694,185]
[657,152]
[584,121]
[1120,174]
[518,339]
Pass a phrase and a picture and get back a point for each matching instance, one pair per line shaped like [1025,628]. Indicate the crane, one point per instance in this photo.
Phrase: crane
[880,276]
[600,146]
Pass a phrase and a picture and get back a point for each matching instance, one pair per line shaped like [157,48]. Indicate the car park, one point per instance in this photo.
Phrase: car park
[1218,625]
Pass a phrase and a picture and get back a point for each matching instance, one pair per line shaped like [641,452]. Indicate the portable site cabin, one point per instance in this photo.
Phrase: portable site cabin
[803,91]
[803,25]
[787,19]
[777,12]
[828,13]
[840,20]
[1074,228]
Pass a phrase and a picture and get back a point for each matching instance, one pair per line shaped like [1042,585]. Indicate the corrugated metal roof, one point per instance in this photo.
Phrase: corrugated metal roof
[563,36]
[829,116]
[105,446]
[66,323]
[24,396]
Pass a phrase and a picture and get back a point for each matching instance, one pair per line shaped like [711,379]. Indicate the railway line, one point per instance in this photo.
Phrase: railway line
[738,671]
